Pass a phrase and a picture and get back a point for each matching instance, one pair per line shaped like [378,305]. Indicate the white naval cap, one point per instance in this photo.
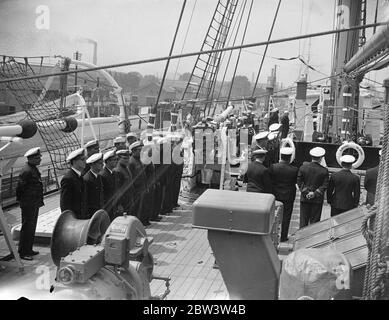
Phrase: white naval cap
[136,144]
[94,157]
[123,152]
[109,154]
[347,158]
[286,111]
[287,151]
[317,152]
[380,152]
[261,135]
[274,110]
[32,152]
[131,134]
[275,127]
[91,144]
[272,135]
[119,139]
[259,151]
[74,154]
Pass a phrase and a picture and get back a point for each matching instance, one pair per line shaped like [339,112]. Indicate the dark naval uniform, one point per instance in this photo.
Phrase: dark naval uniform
[137,169]
[284,178]
[94,193]
[124,188]
[73,194]
[151,191]
[29,194]
[343,191]
[257,178]
[285,126]
[311,177]
[178,170]
[109,181]
[370,184]
[167,172]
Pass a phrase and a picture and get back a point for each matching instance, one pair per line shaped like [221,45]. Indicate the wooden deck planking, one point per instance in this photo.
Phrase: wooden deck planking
[180,252]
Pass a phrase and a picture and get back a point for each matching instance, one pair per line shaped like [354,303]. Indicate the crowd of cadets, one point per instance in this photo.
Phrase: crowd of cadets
[119,182]
[269,174]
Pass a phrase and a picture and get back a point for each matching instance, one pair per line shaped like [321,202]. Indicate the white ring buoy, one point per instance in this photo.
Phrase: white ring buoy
[288,142]
[354,146]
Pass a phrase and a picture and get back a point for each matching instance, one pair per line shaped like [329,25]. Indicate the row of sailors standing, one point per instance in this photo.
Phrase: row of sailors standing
[313,181]
[118,182]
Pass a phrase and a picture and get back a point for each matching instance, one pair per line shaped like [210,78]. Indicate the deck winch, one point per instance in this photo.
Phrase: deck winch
[106,256]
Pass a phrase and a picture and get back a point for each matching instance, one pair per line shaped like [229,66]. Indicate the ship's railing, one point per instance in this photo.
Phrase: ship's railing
[50,181]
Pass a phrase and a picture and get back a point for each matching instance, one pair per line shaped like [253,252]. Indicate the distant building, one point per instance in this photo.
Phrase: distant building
[147,94]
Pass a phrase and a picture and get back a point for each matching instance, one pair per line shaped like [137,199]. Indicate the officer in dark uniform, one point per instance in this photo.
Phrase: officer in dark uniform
[94,185]
[72,195]
[260,140]
[151,182]
[131,137]
[257,176]
[91,147]
[370,183]
[119,143]
[273,117]
[159,176]
[167,176]
[124,184]
[138,169]
[29,194]
[343,188]
[312,180]
[284,178]
[109,181]
[285,124]
[273,145]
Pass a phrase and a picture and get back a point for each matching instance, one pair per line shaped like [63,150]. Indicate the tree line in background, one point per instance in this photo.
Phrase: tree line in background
[132,81]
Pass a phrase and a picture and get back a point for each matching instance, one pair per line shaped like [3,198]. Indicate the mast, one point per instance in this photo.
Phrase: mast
[345,91]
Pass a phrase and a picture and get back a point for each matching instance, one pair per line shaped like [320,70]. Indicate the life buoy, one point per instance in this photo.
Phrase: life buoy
[288,142]
[354,146]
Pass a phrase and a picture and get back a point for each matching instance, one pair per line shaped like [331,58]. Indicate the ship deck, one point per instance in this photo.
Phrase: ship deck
[179,251]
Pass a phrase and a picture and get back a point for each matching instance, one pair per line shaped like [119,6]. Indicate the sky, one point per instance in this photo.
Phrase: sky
[132,30]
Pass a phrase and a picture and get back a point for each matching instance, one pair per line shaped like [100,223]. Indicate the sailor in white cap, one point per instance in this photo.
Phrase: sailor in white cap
[343,188]
[94,185]
[260,140]
[119,143]
[137,169]
[275,127]
[312,180]
[124,184]
[273,118]
[91,147]
[370,182]
[284,177]
[72,195]
[108,178]
[131,138]
[257,175]
[29,194]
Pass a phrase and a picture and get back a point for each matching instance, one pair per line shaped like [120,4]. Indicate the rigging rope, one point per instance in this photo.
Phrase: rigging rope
[267,45]
[150,60]
[240,15]
[375,274]
[240,51]
[186,35]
